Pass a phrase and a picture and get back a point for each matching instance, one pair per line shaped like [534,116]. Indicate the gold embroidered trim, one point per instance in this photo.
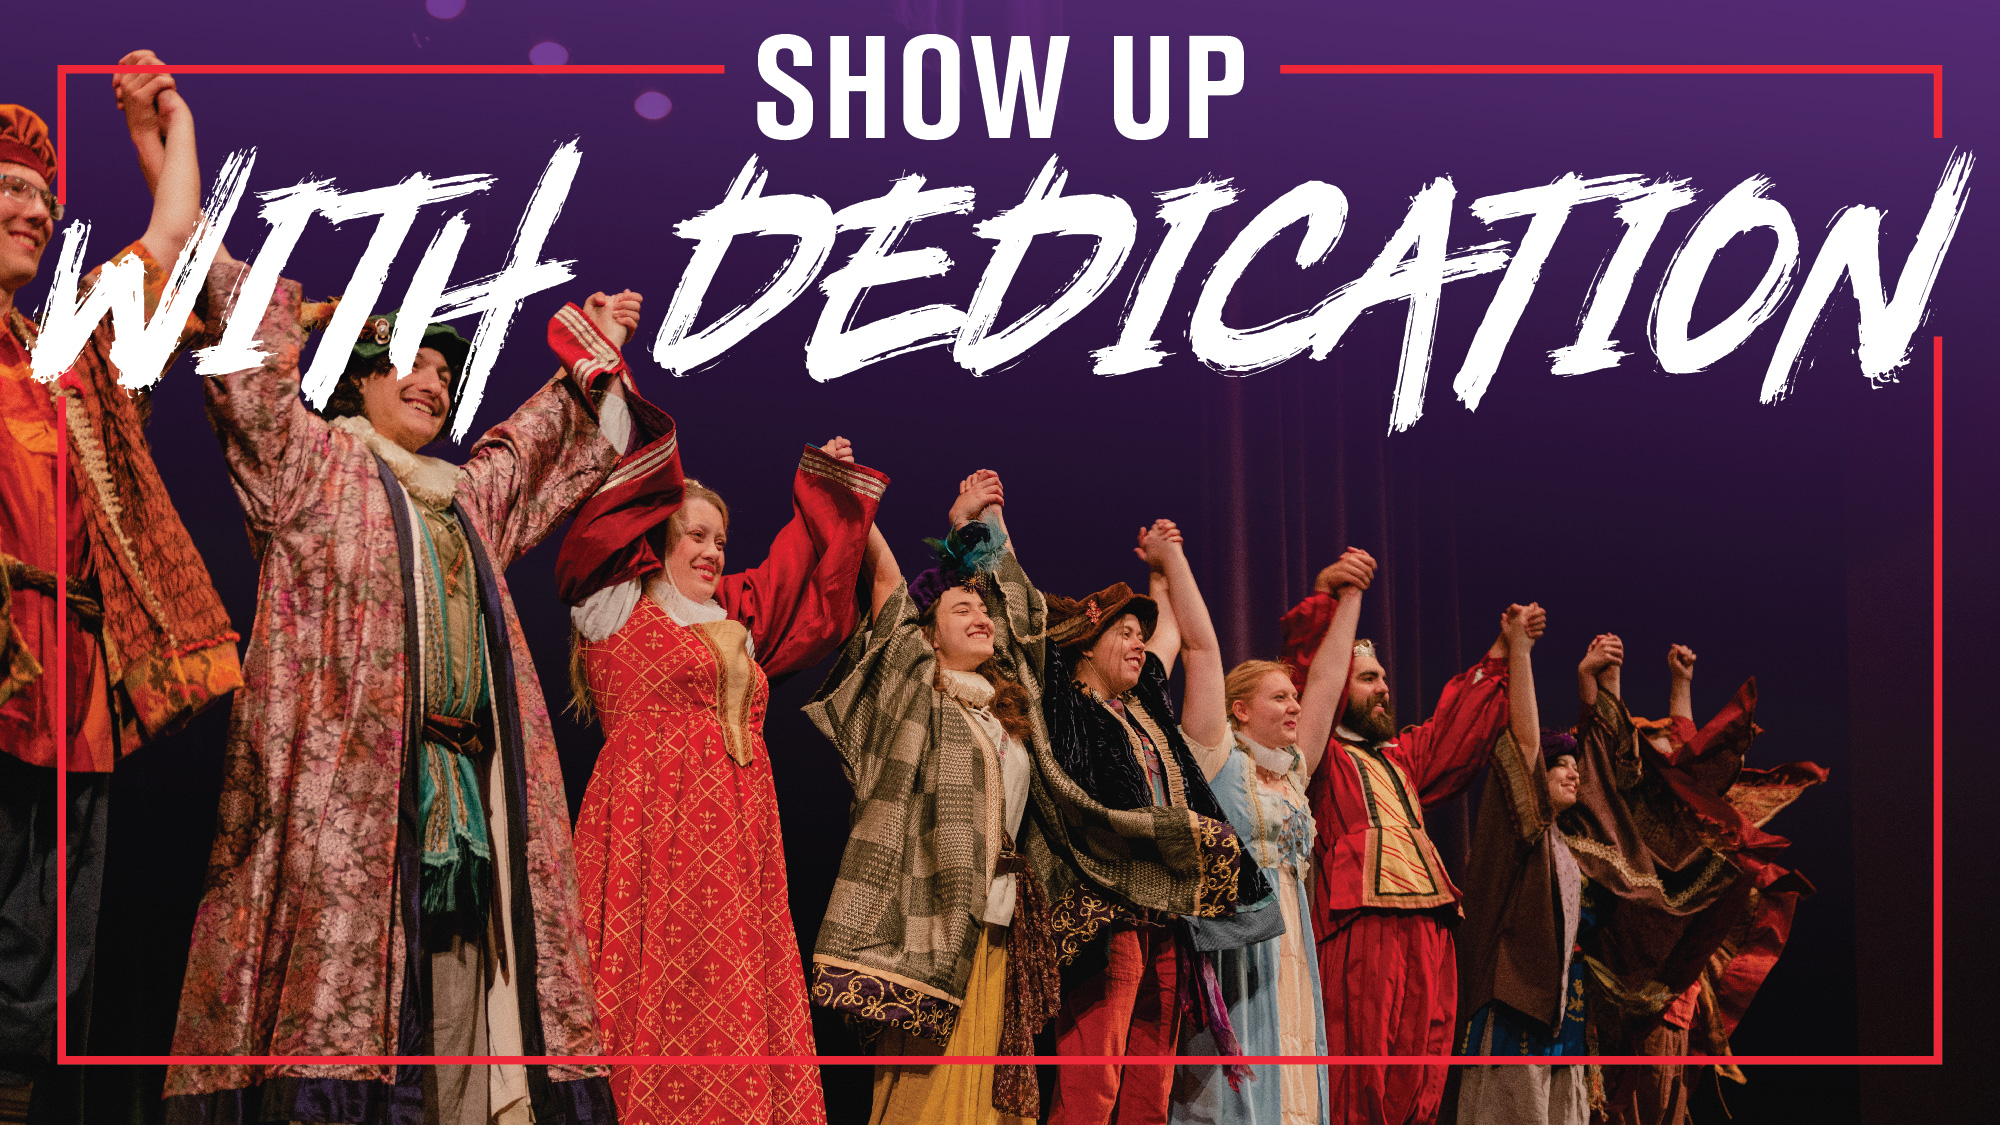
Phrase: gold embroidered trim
[97,469]
[603,356]
[840,472]
[646,463]
[1515,772]
[725,639]
[910,983]
[1610,855]
[1176,784]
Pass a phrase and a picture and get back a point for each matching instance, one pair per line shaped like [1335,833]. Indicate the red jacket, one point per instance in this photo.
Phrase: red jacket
[1368,800]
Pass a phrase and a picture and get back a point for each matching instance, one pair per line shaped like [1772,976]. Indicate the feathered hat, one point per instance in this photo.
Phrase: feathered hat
[965,558]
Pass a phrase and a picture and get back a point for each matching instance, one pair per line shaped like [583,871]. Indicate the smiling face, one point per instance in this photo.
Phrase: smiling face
[1269,713]
[409,411]
[25,229]
[694,558]
[1111,666]
[961,631]
[1564,777]
[1368,712]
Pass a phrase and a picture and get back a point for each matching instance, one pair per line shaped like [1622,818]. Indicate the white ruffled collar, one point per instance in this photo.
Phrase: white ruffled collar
[684,610]
[428,479]
[1280,762]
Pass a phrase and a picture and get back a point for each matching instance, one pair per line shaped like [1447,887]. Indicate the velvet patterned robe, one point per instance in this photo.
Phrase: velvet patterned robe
[306,937]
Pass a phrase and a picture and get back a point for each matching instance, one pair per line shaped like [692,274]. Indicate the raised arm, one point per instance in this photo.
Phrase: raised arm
[1165,642]
[800,602]
[1680,690]
[879,571]
[533,470]
[1204,715]
[977,495]
[1443,755]
[1599,667]
[162,130]
[273,445]
[1324,698]
[1519,627]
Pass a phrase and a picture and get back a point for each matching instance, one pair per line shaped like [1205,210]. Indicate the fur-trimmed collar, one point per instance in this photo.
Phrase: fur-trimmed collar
[428,479]
[970,688]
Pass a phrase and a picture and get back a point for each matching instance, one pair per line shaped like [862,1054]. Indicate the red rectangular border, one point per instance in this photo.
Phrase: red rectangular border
[1935,1058]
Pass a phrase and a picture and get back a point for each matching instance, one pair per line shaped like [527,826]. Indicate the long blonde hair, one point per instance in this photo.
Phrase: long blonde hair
[579,679]
[1242,681]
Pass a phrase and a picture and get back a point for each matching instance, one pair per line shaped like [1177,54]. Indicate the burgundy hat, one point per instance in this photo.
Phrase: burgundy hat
[24,140]
[1078,624]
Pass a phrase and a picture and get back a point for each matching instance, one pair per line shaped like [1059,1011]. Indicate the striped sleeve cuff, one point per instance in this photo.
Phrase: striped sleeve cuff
[858,479]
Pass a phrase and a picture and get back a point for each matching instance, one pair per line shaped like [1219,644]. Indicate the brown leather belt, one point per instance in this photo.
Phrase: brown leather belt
[460,736]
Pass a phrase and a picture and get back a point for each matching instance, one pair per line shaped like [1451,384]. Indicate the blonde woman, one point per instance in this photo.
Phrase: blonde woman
[678,851]
[1259,742]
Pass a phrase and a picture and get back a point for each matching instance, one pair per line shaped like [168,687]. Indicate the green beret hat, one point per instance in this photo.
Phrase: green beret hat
[378,330]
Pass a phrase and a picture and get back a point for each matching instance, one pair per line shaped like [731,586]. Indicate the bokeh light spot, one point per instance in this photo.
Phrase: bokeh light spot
[652,105]
[444,9]
[548,53]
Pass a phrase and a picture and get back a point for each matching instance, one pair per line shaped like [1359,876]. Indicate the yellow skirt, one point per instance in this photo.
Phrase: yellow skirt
[929,1095]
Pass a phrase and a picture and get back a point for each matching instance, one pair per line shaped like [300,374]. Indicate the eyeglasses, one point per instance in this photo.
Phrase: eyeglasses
[24,192]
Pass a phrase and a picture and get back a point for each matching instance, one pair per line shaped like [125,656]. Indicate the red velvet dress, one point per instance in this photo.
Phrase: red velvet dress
[678,848]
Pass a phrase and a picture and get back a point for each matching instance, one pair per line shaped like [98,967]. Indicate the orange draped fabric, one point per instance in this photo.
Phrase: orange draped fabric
[28,446]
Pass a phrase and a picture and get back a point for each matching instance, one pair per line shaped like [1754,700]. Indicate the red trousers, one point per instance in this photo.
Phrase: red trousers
[1390,980]
[1131,1008]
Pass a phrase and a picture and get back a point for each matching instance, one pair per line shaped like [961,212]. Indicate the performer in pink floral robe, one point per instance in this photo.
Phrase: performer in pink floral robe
[307,941]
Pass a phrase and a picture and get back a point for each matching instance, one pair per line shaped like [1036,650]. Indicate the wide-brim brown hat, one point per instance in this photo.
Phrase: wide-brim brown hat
[1078,623]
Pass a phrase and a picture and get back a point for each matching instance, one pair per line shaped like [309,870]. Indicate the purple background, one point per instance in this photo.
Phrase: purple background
[1788,541]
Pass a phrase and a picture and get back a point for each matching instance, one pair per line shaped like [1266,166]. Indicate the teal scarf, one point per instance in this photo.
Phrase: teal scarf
[457,850]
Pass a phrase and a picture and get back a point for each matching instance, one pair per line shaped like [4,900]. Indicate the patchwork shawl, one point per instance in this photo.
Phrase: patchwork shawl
[897,942]
[306,940]
[908,906]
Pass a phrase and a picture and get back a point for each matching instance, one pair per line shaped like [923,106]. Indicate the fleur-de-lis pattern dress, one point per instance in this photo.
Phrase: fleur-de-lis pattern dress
[678,848]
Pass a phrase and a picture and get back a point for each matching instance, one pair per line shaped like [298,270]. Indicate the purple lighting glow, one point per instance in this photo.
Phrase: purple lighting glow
[652,105]
[548,53]
[444,9]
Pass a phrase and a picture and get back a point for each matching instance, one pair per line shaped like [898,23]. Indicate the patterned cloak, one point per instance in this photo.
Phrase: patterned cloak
[306,942]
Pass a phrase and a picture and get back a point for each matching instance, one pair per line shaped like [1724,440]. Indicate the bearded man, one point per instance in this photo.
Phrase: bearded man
[1383,906]
[141,642]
